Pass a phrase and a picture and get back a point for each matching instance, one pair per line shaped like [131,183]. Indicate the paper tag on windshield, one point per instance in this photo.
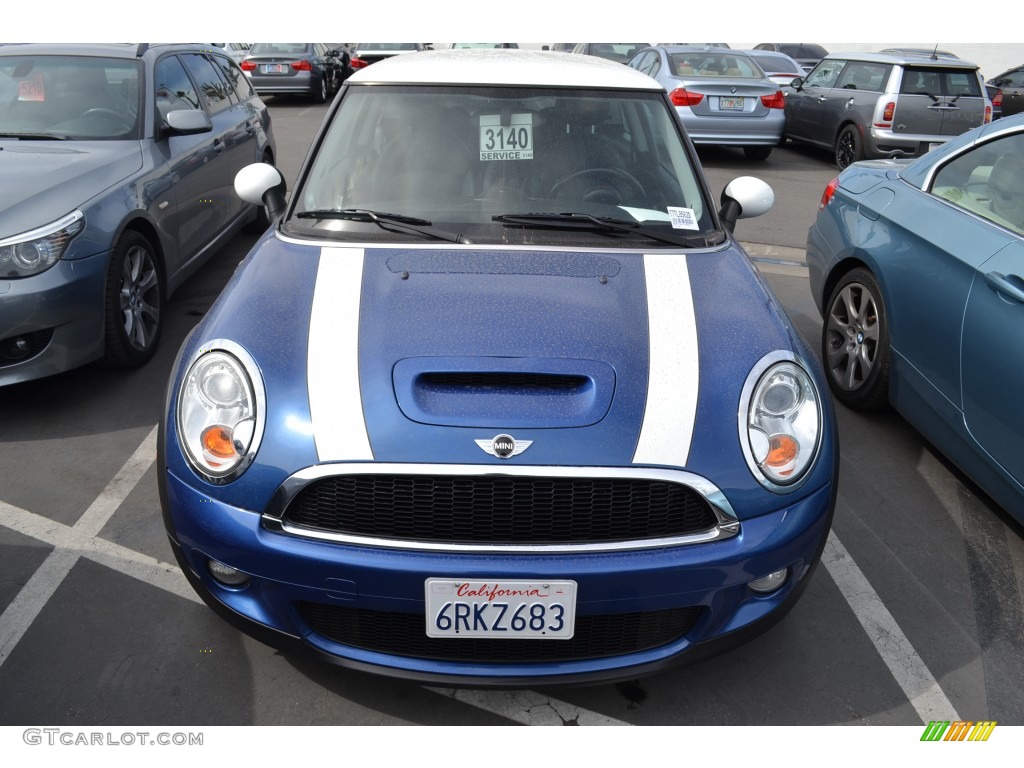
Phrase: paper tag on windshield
[506,142]
[682,218]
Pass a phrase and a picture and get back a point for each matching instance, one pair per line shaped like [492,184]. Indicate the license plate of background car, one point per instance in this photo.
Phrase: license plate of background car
[517,610]
[273,69]
[728,103]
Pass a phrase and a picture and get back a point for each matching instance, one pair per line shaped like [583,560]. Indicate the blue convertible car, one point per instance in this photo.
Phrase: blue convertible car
[499,399]
[918,270]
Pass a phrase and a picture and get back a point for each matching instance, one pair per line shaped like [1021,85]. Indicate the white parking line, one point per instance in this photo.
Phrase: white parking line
[32,598]
[528,707]
[892,645]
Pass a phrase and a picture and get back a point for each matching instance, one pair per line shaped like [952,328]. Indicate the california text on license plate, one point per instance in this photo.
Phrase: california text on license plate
[727,103]
[539,610]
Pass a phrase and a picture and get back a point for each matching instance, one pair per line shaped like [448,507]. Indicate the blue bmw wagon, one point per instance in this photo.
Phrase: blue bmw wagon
[499,399]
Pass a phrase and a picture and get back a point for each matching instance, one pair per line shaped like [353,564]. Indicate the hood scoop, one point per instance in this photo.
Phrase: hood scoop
[503,392]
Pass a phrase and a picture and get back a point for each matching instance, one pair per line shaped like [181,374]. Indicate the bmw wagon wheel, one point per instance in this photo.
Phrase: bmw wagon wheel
[848,147]
[855,342]
[134,302]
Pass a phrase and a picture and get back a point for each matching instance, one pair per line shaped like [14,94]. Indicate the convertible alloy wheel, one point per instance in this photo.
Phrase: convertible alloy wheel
[848,147]
[855,342]
[134,302]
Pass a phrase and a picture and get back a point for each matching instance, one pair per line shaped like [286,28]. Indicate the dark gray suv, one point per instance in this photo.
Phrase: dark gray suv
[869,105]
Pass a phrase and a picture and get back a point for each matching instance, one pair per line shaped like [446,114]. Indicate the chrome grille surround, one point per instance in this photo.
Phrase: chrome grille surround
[727,524]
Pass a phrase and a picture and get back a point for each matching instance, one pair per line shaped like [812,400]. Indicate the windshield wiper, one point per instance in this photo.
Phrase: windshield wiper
[28,135]
[392,222]
[607,224]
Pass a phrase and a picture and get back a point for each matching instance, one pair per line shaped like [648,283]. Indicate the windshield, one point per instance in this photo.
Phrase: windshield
[69,97]
[456,157]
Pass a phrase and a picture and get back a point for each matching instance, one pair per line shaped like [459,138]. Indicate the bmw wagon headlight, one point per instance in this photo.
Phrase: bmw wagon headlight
[781,429]
[30,253]
[221,413]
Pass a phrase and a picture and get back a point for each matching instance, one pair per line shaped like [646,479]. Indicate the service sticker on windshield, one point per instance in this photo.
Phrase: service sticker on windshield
[506,142]
[682,218]
[32,89]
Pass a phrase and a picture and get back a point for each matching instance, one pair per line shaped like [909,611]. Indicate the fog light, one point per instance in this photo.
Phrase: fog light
[769,583]
[227,575]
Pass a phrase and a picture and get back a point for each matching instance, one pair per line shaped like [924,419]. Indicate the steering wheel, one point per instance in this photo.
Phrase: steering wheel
[602,193]
[108,113]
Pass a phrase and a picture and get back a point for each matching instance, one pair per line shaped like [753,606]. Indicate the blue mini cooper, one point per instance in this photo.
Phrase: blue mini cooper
[499,400]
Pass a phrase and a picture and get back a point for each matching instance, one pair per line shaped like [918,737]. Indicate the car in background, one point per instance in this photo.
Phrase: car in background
[721,95]
[618,52]
[465,415]
[560,47]
[777,67]
[370,53]
[917,269]
[482,45]
[868,105]
[309,69]
[1011,85]
[117,163]
[237,51]
[807,55]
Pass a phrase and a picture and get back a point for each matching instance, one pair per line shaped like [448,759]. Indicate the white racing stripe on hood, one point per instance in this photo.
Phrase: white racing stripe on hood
[332,367]
[674,375]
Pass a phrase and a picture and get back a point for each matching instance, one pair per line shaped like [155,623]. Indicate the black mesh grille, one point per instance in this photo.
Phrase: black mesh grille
[505,510]
[404,634]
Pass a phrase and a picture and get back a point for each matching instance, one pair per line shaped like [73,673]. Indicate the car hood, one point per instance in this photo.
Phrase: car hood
[425,355]
[46,180]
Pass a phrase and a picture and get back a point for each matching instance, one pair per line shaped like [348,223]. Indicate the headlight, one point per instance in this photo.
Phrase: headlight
[781,429]
[33,252]
[221,412]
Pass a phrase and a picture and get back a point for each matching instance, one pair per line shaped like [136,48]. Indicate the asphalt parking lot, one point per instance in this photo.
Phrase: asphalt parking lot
[915,614]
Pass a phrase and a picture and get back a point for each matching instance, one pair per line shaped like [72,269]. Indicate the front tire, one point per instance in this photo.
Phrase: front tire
[849,147]
[757,153]
[134,299]
[855,342]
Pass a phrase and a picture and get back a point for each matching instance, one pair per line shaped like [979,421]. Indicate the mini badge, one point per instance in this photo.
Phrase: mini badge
[504,446]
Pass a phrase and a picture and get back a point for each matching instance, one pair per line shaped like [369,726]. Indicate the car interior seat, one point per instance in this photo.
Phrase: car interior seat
[1006,189]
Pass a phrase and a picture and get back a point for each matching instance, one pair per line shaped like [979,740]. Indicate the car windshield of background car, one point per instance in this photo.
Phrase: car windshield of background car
[459,156]
[70,97]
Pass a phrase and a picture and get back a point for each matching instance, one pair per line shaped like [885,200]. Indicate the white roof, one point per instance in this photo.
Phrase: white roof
[504,67]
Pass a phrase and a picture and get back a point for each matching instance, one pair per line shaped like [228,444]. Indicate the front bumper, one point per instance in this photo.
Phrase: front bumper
[290,574]
[59,316]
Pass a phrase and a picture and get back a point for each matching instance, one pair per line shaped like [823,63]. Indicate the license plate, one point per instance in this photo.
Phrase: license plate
[273,69]
[519,610]
[730,103]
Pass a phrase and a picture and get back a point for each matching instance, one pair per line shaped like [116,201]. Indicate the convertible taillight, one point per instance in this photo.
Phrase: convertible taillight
[776,101]
[303,65]
[684,98]
[830,190]
[248,66]
[357,63]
